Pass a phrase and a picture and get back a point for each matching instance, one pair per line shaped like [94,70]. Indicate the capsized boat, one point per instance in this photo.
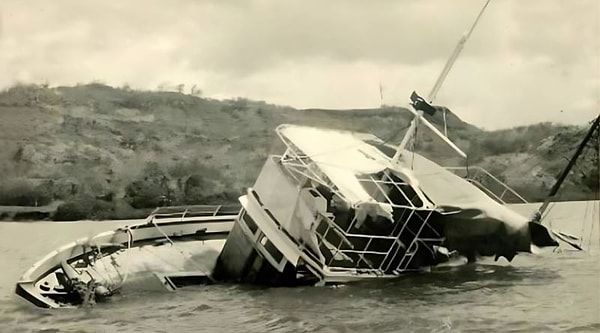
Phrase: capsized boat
[173,247]
[335,207]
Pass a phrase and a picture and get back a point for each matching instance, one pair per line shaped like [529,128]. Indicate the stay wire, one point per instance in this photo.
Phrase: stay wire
[198,266]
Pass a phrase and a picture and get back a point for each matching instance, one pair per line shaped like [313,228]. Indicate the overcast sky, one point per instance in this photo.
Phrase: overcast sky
[527,61]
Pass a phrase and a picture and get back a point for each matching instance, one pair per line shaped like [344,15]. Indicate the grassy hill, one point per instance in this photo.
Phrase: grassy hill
[103,152]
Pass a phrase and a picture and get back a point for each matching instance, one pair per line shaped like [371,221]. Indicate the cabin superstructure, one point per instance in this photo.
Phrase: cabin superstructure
[340,206]
[333,206]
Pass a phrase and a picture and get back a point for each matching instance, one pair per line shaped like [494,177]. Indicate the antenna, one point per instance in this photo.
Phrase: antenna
[433,93]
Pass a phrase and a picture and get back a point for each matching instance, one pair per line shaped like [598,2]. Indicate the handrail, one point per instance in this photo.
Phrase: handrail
[492,177]
[195,211]
[487,191]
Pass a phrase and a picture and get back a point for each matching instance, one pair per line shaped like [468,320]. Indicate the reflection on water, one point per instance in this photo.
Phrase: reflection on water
[551,291]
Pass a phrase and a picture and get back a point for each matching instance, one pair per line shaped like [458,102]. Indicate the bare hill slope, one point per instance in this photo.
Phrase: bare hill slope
[114,153]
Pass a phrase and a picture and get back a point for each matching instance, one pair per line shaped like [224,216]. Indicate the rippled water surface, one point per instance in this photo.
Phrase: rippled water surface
[549,291]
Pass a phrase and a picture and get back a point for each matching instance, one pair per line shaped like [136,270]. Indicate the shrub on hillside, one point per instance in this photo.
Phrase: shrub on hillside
[147,194]
[29,95]
[592,182]
[150,191]
[83,208]
[222,198]
[144,194]
[135,100]
[234,105]
[197,189]
[21,192]
[122,210]
[185,168]
[522,139]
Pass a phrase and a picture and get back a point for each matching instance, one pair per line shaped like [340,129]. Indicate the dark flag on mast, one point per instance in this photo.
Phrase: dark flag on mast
[420,104]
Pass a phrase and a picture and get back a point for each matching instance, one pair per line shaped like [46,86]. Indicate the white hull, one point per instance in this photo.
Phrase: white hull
[163,252]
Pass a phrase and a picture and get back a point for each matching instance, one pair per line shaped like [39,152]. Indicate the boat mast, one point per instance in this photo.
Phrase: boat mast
[433,93]
[537,217]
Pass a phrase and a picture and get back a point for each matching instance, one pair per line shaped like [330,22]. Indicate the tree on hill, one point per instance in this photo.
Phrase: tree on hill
[150,191]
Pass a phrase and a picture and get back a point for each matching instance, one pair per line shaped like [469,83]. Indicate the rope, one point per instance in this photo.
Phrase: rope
[103,265]
[592,227]
[153,221]
[129,242]
[92,263]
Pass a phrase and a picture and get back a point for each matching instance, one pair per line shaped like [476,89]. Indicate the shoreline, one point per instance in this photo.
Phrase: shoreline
[519,207]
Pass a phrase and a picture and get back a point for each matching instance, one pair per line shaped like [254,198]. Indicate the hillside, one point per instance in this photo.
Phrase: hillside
[101,152]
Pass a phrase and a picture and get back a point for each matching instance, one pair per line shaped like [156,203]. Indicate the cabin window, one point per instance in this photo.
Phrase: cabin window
[403,192]
[271,249]
[377,190]
[314,193]
[249,222]
[387,187]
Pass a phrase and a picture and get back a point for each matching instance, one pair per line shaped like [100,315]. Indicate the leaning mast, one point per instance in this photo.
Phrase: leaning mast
[537,217]
[421,106]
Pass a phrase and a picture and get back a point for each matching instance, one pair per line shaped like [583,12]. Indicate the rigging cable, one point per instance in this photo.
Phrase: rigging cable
[585,214]
[445,125]
[196,264]
[593,224]
[414,147]
[467,167]
[596,209]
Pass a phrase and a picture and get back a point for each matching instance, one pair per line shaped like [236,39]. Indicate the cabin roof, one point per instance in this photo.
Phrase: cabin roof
[340,155]
[345,156]
[340,150]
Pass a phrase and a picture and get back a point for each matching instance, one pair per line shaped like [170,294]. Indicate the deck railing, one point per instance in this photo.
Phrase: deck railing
[492,186]
[194,211]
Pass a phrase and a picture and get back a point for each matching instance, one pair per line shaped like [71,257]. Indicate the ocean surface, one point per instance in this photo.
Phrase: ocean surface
[554,290]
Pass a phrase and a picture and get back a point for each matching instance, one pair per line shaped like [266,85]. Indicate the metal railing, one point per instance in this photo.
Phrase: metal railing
[381,254]
[490,185]
[194,211]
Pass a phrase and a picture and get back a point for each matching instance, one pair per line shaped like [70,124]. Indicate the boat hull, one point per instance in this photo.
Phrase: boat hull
[160,253]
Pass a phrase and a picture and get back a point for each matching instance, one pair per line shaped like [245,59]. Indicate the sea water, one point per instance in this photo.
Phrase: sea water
[553,290]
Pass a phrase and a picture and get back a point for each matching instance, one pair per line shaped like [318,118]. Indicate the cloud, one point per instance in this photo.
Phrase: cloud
[525,62]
